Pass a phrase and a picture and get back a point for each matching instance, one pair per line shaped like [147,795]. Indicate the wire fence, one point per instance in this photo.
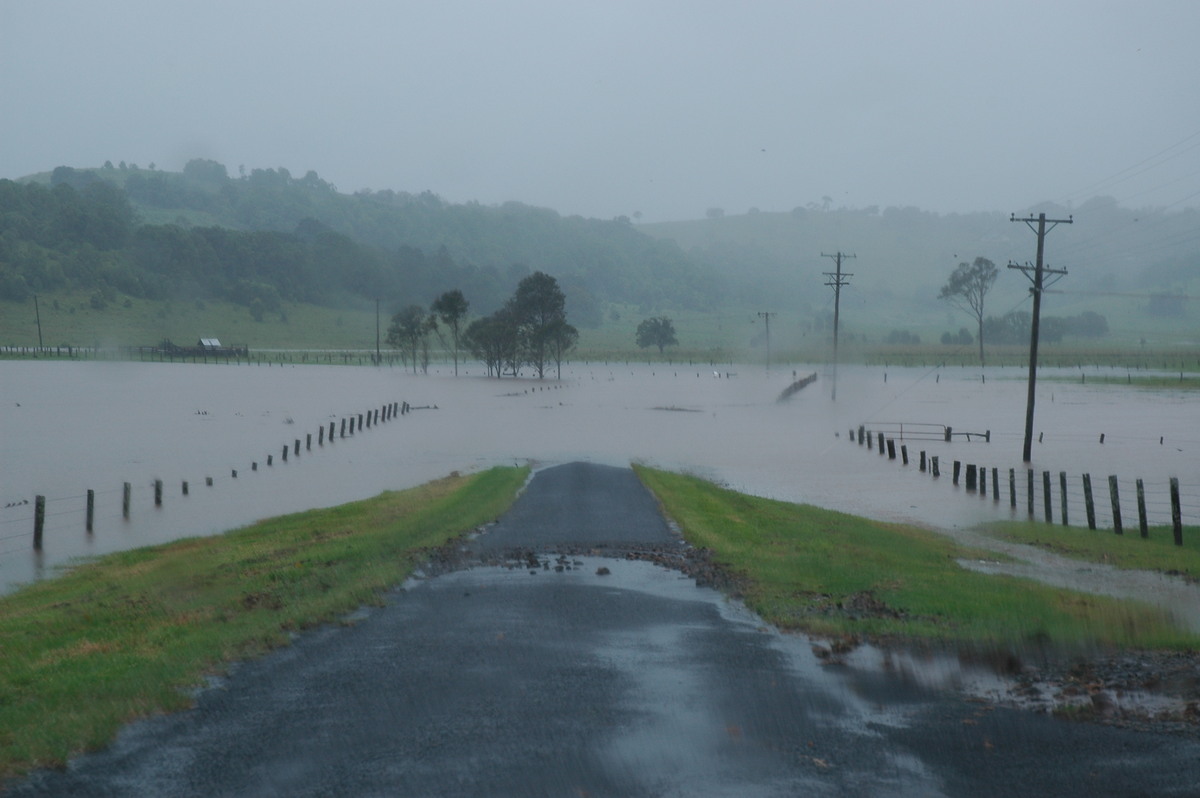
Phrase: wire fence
[1105,501]
[25,523]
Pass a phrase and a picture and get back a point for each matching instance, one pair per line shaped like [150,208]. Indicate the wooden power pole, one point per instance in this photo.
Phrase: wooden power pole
[1038,284]
[836,279]
[766,315]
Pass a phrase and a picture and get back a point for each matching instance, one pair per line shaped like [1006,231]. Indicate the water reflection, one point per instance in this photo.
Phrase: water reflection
[69,427]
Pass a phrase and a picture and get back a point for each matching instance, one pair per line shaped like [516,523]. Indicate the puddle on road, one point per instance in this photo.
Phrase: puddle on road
[841,676]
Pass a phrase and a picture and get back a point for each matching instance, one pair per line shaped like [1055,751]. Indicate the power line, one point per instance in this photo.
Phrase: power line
[1038,279]
[836,280]
[766,315]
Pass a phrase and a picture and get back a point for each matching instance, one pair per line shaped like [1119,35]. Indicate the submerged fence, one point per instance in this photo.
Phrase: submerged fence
[1108,501]
[15,532]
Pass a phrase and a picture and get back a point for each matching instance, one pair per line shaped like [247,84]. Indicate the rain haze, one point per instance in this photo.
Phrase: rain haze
[655,110]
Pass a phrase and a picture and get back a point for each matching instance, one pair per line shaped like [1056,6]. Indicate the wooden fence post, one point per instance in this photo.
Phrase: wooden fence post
[297,451]
[948,434]
[184,487]
[904,453]
[922,461]
[1029,484]
[343,428]
[881,443]
[308,442]
[933,462]
[995,484]
[1047,499]
[1088,505]
[39,521]
[1116,504]
[1062,488]
[125,499]
[957,468]
[91,509]
[285,452]
[861,431]
[1143,527]
[891,447]
[970,476]
[1012,488]
[158,493]
[1176,513]
[321,435]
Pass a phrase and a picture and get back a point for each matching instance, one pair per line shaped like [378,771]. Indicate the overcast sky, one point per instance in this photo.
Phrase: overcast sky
[614,107]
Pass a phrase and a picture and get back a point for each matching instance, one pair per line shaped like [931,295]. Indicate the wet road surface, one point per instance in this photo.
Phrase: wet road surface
[554,671]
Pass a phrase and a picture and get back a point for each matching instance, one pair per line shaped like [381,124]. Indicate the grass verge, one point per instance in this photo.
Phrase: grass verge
[1130,551]
[127,635]
[835,575]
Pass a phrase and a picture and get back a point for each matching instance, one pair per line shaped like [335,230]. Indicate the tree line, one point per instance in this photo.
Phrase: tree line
[530,329]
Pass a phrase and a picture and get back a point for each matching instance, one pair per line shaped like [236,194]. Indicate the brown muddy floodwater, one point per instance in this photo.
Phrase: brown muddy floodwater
[68,427]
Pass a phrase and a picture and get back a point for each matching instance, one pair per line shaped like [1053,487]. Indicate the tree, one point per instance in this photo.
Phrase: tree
[657,331]
[408,329]
[968,287]
[495,340]
[451,308]
[538,306]
[561,339]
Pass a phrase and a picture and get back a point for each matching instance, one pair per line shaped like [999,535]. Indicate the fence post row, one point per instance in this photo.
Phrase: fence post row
[375,416]
[976,479]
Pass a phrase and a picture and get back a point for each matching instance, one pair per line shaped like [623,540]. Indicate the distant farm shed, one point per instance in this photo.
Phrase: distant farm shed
[209,343]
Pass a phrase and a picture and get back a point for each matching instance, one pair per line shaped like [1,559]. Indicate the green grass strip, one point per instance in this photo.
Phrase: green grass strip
[832,574]
[125,636]
[1130,551]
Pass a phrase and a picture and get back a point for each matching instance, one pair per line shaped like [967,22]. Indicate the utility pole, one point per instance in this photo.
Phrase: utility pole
[1037,280]
[766,315]
[836,279]
[38,315]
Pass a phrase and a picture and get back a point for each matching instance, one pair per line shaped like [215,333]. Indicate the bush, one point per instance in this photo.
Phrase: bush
[902,337]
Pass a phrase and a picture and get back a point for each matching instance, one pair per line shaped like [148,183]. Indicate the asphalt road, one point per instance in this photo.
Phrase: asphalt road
[546,676]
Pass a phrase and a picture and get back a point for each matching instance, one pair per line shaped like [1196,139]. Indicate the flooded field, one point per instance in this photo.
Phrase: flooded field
[66,428]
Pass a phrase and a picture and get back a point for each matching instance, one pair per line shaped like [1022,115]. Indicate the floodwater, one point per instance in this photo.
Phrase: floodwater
[67,427]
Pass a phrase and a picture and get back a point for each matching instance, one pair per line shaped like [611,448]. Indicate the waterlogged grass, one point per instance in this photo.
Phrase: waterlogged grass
[832,574]
[125,636]
[1157,552]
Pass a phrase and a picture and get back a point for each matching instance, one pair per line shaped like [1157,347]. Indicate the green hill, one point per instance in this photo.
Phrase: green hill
[268,237]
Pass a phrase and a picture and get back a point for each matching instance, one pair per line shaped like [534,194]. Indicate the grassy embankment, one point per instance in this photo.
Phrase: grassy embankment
[1157,552]
[832,574]
[125,636]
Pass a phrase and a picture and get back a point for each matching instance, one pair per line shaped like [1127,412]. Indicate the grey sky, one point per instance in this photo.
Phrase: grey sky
[607,108]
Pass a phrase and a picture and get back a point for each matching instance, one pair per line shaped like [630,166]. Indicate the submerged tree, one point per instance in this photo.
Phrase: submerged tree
[967,288]
[561,339]
[539,306]
[451,308]
[495,340]
[408,331]
[657,331]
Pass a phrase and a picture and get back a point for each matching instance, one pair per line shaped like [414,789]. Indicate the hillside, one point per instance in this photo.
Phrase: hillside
[270,243]
[1126,264]
[269,237]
